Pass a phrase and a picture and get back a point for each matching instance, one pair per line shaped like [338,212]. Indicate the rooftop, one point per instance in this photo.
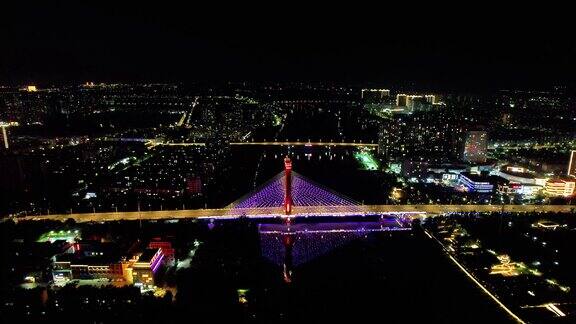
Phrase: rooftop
[526,175]
[561,181]
[147,255]
[481,178]
[79,258]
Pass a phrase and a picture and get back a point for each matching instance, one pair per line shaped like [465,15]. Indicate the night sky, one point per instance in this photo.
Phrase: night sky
[65,42]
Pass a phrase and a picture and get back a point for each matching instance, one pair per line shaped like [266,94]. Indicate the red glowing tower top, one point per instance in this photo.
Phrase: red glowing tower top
[288,203]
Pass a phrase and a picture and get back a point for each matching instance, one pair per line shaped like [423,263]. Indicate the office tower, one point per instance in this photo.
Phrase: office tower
[431,99]
[401,100]
[375,95]
[5,137]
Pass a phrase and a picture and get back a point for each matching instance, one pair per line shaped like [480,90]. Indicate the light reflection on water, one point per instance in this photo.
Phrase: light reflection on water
[292,245]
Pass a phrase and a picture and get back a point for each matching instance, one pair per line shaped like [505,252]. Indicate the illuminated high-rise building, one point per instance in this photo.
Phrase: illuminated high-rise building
[5,137]
[560,188]
[475,147]
[401,100]
[419,103]
[375,94]
[404,100]
[410,101]
[572,164]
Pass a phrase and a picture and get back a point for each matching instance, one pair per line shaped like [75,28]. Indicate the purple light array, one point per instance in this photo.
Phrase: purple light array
[157,263]
[304,193]
[316,239]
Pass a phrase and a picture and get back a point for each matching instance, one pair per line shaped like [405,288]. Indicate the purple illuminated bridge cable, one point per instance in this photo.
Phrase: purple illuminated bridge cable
[305,192]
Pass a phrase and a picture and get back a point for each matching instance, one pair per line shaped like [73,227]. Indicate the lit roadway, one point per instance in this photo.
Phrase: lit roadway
[151,142]
[311,211]
[304,144]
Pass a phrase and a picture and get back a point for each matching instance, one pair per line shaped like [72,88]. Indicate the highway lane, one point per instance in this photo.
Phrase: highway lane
[154,142]
[224,213]
[303,144]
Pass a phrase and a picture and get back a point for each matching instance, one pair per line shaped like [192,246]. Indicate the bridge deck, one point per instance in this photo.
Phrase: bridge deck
[301,211]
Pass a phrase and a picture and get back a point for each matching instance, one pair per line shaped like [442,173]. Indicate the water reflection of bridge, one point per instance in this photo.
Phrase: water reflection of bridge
[291,245]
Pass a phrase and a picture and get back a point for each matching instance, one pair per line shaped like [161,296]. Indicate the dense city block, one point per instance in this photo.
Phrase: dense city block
[162,164]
